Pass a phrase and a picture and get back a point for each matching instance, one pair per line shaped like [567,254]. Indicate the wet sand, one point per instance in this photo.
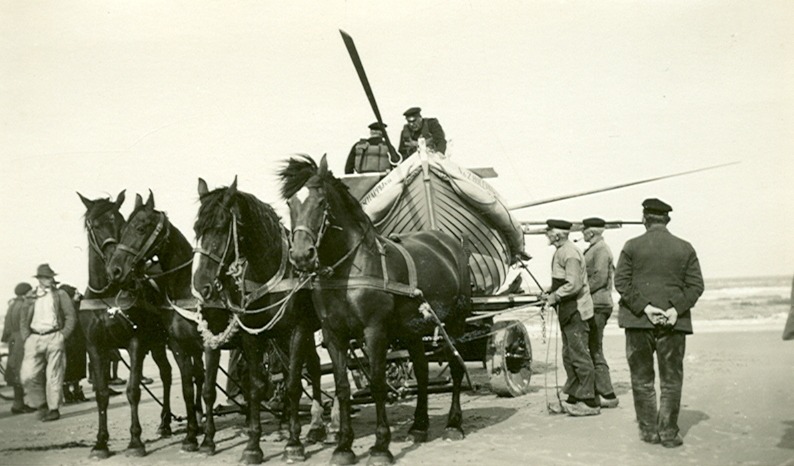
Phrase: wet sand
[737,408]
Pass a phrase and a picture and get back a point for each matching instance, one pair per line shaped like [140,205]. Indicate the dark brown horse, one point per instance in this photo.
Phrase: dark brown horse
[129,326]
[148,235]
[241,267]
[369,287]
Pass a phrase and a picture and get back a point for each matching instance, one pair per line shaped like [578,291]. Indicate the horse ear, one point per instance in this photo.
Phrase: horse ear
[138,201]
[202,188]
[86,202]
[233,187]
[150,201]
[324,164]
[120,199]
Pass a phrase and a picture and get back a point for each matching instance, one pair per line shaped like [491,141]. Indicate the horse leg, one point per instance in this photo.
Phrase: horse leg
[161,359]
[213,357]
[418,431]
[317,432]
[454,429]
[253,352]
[377,346]
[185,362]
[294,450]
[99,365]
[199,383]
[136,446]
[337,349]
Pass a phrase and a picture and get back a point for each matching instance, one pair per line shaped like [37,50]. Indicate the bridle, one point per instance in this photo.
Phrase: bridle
[237,268]
[93,242]
[152,245]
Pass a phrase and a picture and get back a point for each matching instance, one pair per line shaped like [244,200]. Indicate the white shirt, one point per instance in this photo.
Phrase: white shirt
[44,317]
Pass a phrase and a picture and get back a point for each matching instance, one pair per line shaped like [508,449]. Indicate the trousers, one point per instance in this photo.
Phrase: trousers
[669,346]
[603,382]
[44,359]
[576,358]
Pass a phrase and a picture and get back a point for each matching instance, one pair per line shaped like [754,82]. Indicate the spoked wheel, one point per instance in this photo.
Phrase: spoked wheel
[509,358]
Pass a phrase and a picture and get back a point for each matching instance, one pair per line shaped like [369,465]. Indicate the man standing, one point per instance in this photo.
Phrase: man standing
[571,294]
[16,346]
[600,277]
[417,127]
[371,154]
[659,281]
[47,322]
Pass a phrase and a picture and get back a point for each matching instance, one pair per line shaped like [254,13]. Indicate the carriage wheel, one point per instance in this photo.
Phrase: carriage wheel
[509,358]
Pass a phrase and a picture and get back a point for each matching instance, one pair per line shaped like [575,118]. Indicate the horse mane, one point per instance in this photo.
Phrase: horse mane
[303,170]
[262,223]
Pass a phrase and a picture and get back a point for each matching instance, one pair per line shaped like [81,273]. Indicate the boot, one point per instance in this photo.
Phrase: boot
[68,397]
[19,406]
[79,396]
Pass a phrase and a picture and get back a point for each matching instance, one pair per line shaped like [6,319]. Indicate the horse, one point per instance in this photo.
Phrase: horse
[147,234]
[127,327]
[241,266]
[365,285]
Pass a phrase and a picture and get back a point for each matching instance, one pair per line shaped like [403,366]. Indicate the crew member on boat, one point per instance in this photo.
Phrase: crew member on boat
[418,127]
[570,293]
[370,154]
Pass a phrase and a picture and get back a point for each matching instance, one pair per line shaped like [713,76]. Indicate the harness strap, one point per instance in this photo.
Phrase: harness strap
[93,305]
[260,290]
[373,283]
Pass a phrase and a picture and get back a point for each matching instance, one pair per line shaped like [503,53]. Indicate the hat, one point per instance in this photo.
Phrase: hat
[377,126]
[655,206]
[594,222]
[412,111]
[559,224]
[44,270]
[22,289]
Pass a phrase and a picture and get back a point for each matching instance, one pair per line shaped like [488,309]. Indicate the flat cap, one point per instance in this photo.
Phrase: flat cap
[594,222]
[412,111]
[559,224]
[655,206]
[22,289]
[376,125]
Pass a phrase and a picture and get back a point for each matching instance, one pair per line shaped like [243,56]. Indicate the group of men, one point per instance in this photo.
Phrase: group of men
[659,280]
[373,154]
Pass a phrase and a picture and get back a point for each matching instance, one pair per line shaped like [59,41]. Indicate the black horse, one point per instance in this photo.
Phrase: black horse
[241,267]
[366,286]
[129,326]
[146,235]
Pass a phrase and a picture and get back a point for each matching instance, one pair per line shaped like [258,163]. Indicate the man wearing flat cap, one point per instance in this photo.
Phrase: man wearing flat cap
[418,127]
[16,345]
[600,278]
[370,155]
[47,322]
[570,294]
[659,281]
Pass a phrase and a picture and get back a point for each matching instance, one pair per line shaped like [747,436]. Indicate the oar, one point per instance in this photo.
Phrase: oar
[362,75]
[610,188]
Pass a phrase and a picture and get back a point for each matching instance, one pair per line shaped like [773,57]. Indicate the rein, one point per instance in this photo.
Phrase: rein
[150,244]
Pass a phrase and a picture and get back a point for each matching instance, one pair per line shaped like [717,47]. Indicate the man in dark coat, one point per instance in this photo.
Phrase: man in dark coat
[370,155]
[417,127]
[12,336]
[659,281]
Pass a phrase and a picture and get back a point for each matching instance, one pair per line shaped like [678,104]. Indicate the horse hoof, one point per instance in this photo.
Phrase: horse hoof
[207,448]
[332,438]
[294,454]
[453,434]
[99,454]
[380,458]
[251,457]
[189,446]
[164,432]
[135,452]
[416,436]
[316,435]
[340,458]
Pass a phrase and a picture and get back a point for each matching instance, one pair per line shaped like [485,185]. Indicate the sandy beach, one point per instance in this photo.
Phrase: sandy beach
[737,408]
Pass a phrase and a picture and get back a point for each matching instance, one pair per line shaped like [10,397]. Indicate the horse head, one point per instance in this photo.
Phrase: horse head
[239,238]
[322,212]
[103,223]
[142,237]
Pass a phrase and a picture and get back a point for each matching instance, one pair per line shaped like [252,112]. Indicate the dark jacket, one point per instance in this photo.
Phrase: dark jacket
[13,337]
[660,269]
[64,309]
[600,273]
[432,132]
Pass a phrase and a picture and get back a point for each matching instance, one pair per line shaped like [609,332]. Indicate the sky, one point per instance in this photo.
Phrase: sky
[557,96]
